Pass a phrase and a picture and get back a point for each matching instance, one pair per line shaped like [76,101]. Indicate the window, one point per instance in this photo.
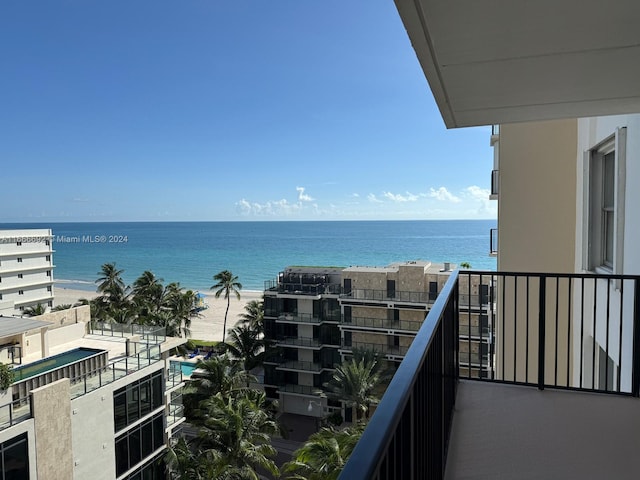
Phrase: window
[48,258]
[47,242]
[14,455]
[605,202]
[137,399]
[48,288]
[20,292]
[48,273]
[19,244]
[19,275]
[19,260]
[138,443]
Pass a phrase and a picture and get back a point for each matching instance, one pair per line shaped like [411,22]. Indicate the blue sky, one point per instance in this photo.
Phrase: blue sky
[225,110]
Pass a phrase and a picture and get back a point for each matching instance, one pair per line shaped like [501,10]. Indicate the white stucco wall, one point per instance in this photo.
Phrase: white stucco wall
[591,132]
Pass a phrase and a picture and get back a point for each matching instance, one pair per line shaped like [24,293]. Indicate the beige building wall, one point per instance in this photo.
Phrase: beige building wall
[51,406]
[536,233]
[537,205]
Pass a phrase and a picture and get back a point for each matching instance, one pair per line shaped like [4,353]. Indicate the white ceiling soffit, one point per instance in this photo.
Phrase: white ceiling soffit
[503,61]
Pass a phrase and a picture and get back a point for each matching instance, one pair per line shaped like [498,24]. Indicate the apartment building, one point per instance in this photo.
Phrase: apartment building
[317,316]
[87,403]
[302,318]
[26,269]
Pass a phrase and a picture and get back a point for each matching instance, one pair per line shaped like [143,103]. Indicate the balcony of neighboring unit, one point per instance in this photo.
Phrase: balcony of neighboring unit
[559,398]
[493,242]
[386,349]
[366,295]
[495,134]
[313,343]
[365,323]
[293,317]
[495,185]
[302,284]
[299,366]
[306,390]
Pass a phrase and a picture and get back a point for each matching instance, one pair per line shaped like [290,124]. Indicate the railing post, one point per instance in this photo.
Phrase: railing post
[541,330]
[635,386]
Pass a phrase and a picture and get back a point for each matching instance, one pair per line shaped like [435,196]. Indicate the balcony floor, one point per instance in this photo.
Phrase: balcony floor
[512,432]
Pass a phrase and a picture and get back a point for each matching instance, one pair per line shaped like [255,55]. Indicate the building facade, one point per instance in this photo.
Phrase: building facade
[88,405]
[26,269]
[316,317]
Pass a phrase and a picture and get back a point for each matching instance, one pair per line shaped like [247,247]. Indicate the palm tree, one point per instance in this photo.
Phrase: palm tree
[110,283]
[35,310]
[220,375]
[148,293]
[324,454]
[240,429]
[354,382]
[246,345]
[227,283]
[253,314]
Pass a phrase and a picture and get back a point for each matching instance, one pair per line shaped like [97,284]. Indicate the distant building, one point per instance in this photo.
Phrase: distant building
[26,270]
[100,405]
[317,316]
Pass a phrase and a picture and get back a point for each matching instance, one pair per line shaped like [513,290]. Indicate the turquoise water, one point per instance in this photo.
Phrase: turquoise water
[192,252]
[51,363]
[187,368]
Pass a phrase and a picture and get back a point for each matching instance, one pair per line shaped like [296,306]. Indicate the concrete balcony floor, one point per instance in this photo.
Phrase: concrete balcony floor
[512,432]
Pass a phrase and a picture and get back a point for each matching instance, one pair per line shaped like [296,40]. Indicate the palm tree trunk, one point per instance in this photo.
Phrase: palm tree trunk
[224,332]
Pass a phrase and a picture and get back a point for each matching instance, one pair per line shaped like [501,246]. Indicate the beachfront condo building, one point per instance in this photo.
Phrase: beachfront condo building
[86,402]
[564,101]
[316,317]
[302,318]
[26,270]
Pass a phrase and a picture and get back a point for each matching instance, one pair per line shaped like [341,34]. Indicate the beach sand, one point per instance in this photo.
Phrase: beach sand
[208,326]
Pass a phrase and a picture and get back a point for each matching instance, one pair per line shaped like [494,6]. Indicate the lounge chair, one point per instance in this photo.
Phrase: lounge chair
[195,353]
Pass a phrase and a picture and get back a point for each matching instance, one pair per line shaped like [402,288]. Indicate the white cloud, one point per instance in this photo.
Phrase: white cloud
[355,195]
[270,208]
[478,193]
[443,195]
[373,199]
[409,197]
[303,197]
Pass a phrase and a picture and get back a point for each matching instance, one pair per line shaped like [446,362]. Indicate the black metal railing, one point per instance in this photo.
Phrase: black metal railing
[568,331]
[564,331]
[407,436]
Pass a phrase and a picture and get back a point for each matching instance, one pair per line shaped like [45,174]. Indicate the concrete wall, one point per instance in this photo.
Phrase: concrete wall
[93,439]
[51,406]
[67,317]
[536,210]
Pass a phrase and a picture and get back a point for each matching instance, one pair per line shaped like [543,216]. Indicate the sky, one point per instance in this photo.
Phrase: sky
[153,110]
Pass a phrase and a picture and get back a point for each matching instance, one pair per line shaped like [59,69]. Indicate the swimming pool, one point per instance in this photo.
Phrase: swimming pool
[51,363]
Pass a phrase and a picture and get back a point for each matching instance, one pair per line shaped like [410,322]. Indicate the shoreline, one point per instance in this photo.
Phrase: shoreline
[208,326]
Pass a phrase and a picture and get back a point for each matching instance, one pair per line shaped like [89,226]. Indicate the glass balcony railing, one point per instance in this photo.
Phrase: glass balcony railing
[389,295]
[297,365]
[298,341]
[382,323]
[385,349]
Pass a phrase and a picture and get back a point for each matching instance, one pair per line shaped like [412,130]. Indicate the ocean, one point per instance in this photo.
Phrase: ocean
[192,252]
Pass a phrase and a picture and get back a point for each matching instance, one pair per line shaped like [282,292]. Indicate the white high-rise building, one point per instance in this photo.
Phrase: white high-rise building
[26,269]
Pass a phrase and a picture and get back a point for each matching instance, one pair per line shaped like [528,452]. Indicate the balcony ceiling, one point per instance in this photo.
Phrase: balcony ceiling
[503,61]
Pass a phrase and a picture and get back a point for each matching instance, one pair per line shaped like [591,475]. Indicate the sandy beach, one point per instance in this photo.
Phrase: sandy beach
[206,327]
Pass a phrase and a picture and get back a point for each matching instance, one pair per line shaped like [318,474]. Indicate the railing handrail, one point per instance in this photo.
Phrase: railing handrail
[374,441]
[586,275]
